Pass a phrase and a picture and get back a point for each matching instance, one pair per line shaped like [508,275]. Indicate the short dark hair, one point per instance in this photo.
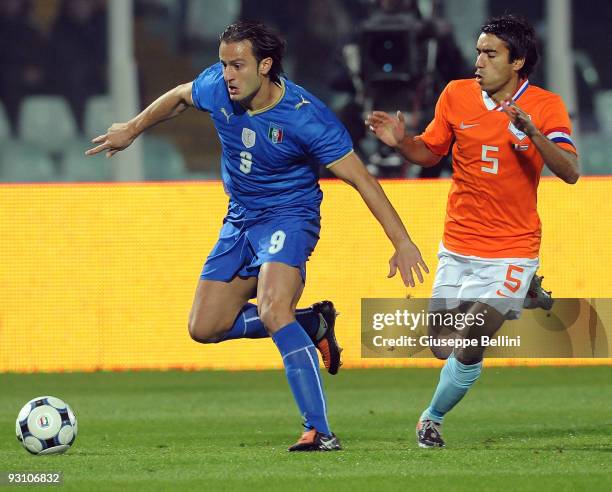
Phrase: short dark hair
[519,36]
[265,42]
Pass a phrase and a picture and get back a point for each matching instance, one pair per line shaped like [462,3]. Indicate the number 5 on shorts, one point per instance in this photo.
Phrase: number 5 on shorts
[277,241]
[511,283]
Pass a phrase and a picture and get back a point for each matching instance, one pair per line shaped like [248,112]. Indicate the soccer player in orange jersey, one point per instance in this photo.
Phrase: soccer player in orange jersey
[504,130]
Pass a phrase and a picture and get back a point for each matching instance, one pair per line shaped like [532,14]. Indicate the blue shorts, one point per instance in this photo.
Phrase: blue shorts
[248,239]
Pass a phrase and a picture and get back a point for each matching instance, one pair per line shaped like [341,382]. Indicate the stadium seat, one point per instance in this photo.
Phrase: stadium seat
[76,166]
[46,122]
[603,110]
[98,115]
[21,162]
[162,160]
[165,20]
[595,154]
[206,19]
[5,124]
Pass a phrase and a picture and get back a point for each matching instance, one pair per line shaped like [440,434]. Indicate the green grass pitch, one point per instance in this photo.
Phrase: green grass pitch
[518,429]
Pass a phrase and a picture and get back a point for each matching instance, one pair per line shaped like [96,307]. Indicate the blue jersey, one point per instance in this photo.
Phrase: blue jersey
[270,157]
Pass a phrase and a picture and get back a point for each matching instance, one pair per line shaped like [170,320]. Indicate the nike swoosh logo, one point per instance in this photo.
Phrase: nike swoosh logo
[463,126]
[501,294]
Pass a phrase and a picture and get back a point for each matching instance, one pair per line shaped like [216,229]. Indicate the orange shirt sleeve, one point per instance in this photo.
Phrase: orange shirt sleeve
[438,135]
[556,124]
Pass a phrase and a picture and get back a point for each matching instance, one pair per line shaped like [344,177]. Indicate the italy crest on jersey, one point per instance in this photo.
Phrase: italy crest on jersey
[275,133]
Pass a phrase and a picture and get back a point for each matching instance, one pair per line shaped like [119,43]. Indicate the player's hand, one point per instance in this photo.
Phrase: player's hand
[407,258]
[519,118]
[390,130]
[118,137]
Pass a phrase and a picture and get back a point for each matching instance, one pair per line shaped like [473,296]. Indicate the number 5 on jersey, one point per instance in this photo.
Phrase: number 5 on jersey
[486,157]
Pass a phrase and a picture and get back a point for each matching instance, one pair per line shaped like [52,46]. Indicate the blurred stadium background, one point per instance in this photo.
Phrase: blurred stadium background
[71,67]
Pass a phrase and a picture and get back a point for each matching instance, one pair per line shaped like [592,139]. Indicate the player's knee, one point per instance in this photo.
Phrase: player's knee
[204,330]
[441,353]
[441,350]
[469,358]
[274,313]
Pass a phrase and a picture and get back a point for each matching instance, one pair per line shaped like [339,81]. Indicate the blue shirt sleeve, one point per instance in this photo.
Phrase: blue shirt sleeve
[205,86]
[324,137]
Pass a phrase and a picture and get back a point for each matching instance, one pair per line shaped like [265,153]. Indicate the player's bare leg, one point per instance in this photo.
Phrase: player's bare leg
[216,306]
[278,292]
[493,321]
[221,311]
[324,339]
[322,313]
[440,330]
[279,289]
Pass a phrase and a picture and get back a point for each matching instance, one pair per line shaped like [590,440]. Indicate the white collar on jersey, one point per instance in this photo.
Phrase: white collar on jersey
[490,104]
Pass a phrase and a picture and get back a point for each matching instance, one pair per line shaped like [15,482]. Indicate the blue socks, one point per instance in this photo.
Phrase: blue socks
[299,356]
[248,324]
[455,379]
[302,369]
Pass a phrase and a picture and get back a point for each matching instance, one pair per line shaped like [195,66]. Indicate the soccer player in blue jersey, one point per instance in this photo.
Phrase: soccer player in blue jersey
[274,135]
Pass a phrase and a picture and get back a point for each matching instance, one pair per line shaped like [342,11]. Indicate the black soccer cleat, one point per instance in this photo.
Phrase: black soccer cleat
[428,434]
[313,440]
[537,297]
[325,339]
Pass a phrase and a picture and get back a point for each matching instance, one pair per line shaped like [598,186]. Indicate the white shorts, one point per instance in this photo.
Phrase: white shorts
[502,283]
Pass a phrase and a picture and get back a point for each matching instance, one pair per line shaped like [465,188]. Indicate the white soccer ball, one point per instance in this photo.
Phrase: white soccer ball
[46,425]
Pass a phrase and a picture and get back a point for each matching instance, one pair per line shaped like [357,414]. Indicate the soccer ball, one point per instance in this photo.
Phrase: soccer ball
[46,425]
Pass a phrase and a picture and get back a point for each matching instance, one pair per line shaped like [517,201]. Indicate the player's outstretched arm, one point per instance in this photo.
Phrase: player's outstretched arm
[407,257]
[561,162]
[120,135]
[392,132]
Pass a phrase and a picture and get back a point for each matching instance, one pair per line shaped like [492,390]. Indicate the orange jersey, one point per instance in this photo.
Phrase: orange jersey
[492,204]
